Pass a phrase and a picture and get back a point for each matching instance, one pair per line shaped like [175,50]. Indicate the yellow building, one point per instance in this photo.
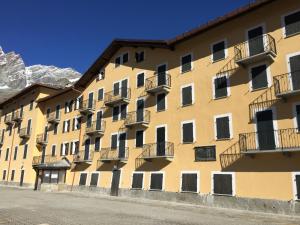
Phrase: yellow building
[214,112]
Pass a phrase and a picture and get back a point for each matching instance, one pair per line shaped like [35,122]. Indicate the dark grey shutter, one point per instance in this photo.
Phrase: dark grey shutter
[82,180]
[186,63]
[219,51]
[66,106]
[295,71]
[97,144]
[125,58]
[292,23]
[16,153]
[61,149]
[67,148]
[137,181]
[205,153]
[161,102]
[73,124]
[298,116]
[189,182]
[139,138]
[4,175]
[220,87]
[116,89]
[53,151]
[25,151]
[117,61]
[94,179]
[100,94]
[222,184]
[116,113]
[123,111]
[114,141]
[259,77]
[64,125]
[7,153]
[140,80]
[156,181]
[188,133]
[187,95]
[223,130]
[297,180]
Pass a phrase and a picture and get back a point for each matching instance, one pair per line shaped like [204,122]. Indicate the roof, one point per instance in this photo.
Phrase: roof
[27,89]
[116,44]
[63,91]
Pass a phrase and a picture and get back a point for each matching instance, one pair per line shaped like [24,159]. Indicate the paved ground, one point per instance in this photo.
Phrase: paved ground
[18,207]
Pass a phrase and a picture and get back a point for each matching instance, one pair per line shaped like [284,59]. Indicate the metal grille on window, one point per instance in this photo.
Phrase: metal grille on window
[205,153]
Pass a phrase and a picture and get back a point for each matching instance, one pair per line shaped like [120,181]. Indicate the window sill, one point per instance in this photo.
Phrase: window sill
[183,72]
[291,35]
[218,60]
[206,160]
[136,189]
[161,111]
[223,97]
[183,106]
[223,139]
[225,195]
[259,89]
[155,190]
[187,143]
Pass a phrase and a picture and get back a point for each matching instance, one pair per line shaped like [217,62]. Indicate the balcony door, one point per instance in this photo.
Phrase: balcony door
[43,155]
[122,145]
[294,63]
[161,141]
[28,127]
[45,134]
[255,41]
[124,89]
[140,105]
[161,75]
[91,99]
[87,149]
[265,130]
[22,177]
[98,120]
[115,182]
[57,109]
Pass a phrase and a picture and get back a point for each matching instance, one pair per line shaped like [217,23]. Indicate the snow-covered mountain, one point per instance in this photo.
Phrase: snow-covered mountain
[14,75]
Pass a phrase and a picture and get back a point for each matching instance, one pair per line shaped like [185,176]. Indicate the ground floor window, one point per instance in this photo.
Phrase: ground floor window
[4,175]
[156,182]
[189,182]
[137,181]
[12,175]
[297,185]
[53,176]
[94,179]
[82,179]
[223,183]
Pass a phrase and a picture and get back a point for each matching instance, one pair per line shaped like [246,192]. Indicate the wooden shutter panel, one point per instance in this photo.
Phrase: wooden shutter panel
[186,63]
[123,111]
[187,96]
[116,88]
[189,182]
[114,141]
[156,181]
[137,181]
[223,130]
[292,23]
[61,149]
[94,179]
[223,184]
[219,51]
[188,133]
[259,77]
[116,111]
[297,180]
[161,102]
[220,87]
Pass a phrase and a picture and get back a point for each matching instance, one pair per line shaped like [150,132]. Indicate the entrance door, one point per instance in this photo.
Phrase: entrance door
[161,141]
[161,75]
[140,110]
[91,99]
[87,149]
[98,120]
[22,177]
[256,41]
[124,85]
[295,71]
[115,182]
[122,145]
[265,130]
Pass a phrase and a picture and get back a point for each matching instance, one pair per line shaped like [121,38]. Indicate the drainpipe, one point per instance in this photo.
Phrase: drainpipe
[11,149]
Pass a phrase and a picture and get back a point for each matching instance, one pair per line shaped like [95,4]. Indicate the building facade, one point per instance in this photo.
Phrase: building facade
[213,112]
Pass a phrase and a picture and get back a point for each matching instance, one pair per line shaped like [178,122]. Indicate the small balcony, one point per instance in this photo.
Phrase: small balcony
[113,154]
[25,133]
[137,118]
[97,128]
[282,140]
[287,84]
[17,116]
[118,96]
[8,120]
[158,83]
[163,150]
[87,106]
[53,118]
[84,156]
[42,139]
[42,160]
[254,50]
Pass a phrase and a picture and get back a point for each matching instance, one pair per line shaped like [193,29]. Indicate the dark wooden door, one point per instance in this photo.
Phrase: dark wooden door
[161,75]
[122,145]
[87,149]
[115,182]
[22,177]
[295,71]
[161,141]
[265,130]
[256,41]
[140,110]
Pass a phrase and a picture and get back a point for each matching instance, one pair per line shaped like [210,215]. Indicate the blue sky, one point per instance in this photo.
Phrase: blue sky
[73,33]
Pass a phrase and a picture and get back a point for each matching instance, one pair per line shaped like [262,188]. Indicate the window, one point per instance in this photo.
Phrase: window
[10,131]
[4,175]
[139,138]
[221,87]
[205,153]
[189,182]
[186,63]
[137,181]
[156,182]
[223,129]
[82,179]
[119,112]
[16,153]
[297,185]
[116,111]
[53,150]
[7,154]
[117,62]
[64,148]
[66,126]
[139,56]
[140,80]
[101,75]
[292,24]
[259,77]
[223,183]
[55,129]
[94,179]
[97,144]
[12,177]
[121,59]
[218,51]
[161,102]
[100,94]
[31,105]
[187,95]
[48,112]
[188,132]
[125,58]
[67,107]
[123,110]
[114,141]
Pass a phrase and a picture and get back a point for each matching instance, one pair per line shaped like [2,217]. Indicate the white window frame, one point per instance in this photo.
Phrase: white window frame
[87,178]
[163,180]
[283,23]
[193,94]
[143,183]
[228,86]
[263,25]
[72,151]
[166,131]
[143,137]
[225,50]
[55,149]
[166,102]
[98,181]
[295,115]
[233,182]
[141,72]
[77,102]
[269,76]
[76,122]
[98,94]
[194,130]
[229,115]
[295,186]
[192,62]
[121,59]
[288,56]
[190,172]
[64,148]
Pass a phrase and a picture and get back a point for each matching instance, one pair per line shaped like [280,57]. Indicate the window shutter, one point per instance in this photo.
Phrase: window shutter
[116,113]
[188,132]
[123,111]
[97,144]
[223,130]
[259,77]
[73,124]
[156,181]
[72,148]
[125,58]
[186,63]
[116,88]
[161,102]
[137,181]
[292,23]
[94,179]
[189,182]
[139,138]
[61,149]
[219,51]
[297,180]
[69,125]
[67,148]
[114,141]
[187,95]
[223,184]
[220,87]
[64,125]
